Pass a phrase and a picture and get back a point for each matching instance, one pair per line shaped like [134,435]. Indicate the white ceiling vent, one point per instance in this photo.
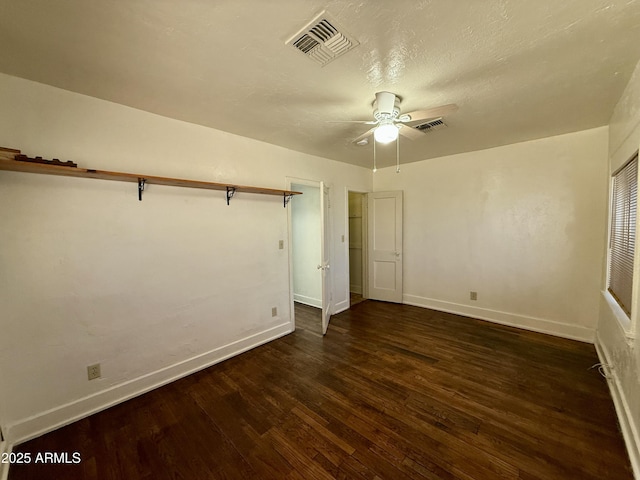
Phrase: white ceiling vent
[323,40]
[431,125]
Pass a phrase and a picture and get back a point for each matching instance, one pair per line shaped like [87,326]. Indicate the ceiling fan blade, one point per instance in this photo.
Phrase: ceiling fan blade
[410,132]
[366,122]
[364,135]
[440,111]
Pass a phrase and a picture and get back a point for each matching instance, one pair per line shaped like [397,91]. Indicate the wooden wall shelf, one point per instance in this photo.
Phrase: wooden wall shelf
[9,163]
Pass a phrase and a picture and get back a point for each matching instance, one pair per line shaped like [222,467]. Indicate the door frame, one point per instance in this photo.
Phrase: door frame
[365,240]
[317,184]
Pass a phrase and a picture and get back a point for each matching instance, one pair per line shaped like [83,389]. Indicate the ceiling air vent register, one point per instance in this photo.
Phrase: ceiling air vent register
[323,40]
[431,125]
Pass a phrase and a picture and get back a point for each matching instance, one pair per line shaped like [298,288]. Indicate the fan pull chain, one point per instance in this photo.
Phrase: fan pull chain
[398,154]
[374,156]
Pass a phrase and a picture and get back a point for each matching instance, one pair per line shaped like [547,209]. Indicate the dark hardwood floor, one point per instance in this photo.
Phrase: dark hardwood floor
[391,392]
[309,319]
[355,298]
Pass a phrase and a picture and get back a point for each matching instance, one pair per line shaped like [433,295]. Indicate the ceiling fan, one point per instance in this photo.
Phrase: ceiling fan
[389,122]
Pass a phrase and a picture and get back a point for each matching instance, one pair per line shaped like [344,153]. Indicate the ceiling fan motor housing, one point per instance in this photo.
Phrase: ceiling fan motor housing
[386,106]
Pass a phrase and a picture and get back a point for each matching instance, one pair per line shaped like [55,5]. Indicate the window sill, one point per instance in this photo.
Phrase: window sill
[623,319]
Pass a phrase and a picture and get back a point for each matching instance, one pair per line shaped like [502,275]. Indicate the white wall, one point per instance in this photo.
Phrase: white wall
[306,236]
[617,339]
[154,289]
[523,225]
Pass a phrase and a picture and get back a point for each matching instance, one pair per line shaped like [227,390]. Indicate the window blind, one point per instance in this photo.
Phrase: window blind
[623,233]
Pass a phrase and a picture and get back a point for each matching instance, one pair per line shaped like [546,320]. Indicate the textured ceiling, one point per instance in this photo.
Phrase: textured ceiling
[518,70]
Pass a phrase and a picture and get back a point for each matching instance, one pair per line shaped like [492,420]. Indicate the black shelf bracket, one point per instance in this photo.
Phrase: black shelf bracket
[141,184]
[230,193]
[286,198]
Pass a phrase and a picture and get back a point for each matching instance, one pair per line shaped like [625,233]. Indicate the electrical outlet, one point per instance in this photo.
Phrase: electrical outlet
[274,312]
[281,244]
[342,238]
[473,295]
[93,371]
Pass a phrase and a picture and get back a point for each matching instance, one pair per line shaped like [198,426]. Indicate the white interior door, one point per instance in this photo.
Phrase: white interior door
[385,246]
[325,265]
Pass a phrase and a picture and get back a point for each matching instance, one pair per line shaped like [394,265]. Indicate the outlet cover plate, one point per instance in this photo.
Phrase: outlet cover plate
[93,371]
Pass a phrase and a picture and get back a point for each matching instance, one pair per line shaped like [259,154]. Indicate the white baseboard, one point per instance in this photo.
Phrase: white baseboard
[312,302]
[341,307]
[541,325]
[625,419]
[57,417]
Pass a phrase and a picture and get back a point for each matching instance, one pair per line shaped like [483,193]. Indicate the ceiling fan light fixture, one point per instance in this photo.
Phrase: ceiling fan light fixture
[386,133]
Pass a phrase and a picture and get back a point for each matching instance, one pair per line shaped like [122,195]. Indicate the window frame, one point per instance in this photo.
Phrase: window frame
[624,313]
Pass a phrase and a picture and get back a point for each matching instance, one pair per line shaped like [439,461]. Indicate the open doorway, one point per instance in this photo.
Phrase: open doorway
[306,253]
[357,247]
[310,250]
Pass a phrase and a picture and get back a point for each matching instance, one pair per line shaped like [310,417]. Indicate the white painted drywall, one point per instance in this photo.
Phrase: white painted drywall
[522,225]
[151,289]
[306,248]
[618,341]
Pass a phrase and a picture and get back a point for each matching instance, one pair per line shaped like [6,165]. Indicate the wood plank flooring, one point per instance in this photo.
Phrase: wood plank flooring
[355,298]
[308,319]
[391,392]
